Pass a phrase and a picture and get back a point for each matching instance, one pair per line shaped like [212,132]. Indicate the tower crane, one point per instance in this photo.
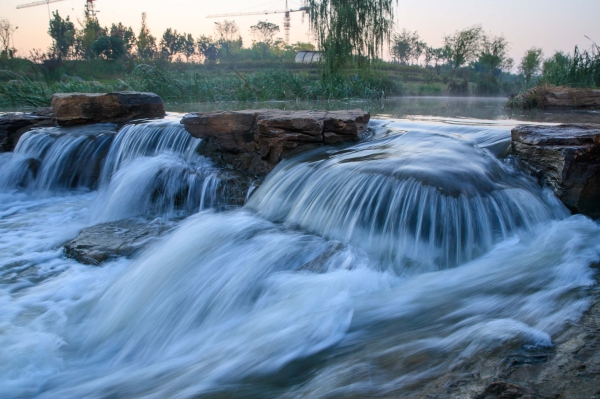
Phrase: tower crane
[89,6]
[286,18]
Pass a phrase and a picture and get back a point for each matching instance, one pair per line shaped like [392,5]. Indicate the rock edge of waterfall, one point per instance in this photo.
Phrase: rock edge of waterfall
[256,141]
[567,159]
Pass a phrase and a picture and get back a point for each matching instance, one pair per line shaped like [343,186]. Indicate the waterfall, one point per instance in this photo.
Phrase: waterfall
[418,200]
[54,159]
[366,270]
[150,168]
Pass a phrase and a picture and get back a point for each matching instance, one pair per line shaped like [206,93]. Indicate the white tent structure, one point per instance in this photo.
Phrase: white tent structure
[306,57]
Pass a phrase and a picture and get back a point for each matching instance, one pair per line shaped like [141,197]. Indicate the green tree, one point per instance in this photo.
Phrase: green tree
[462,47]
[171,43]
[208,48]
[126,34]
[62,32]
[350,30]
[530,63]
[494,52]
[403,46]
[146,43]
[229,40]
[189,46]
[263,33]
[90,32]
[109,47]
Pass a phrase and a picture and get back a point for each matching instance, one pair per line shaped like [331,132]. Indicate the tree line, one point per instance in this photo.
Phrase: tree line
[92,41]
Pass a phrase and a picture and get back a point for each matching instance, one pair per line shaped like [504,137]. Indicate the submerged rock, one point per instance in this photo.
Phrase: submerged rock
[105,241]
[14,125]
[80,108]
[256,140]
[567,158]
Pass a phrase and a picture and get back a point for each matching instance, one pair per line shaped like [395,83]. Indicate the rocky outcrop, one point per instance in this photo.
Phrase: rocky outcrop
[556,97]
[567,158]
[105,241]
[14,125]
[80,108]
[256,140]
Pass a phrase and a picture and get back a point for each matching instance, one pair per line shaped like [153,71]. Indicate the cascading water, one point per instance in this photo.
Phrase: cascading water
[360,271]
[51,159]
[416,200]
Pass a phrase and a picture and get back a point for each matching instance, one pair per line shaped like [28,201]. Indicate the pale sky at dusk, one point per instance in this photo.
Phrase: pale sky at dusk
[550,24]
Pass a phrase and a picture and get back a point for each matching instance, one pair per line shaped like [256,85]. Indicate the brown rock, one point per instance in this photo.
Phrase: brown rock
[567,158]
[80,108]
[557,97]
[14,125]
[257,140]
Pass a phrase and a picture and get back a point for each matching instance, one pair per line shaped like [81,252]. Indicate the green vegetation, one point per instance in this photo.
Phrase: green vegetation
[351,35]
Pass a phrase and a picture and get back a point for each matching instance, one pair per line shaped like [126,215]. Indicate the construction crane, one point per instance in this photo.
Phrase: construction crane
[89,6]
[286,19]
[39,3]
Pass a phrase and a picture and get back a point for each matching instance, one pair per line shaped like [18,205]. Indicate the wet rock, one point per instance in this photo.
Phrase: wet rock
[14,125]
[256,141]
[80,108]
[557,97]
[503,389]
[567,159]
[105,241]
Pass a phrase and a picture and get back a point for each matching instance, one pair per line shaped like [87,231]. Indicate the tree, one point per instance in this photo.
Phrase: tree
[62,32]
[402,47]
[494,52]
[171,43]
[229,36]
[189,46]
[85,39]
[124,33]
[109,47]
[350,30]
[146,43]
[264,31]
[208,48]
[462,47]
[6,32]
[530,63]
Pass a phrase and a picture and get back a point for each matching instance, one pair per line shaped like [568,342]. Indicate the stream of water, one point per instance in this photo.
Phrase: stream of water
[361,270]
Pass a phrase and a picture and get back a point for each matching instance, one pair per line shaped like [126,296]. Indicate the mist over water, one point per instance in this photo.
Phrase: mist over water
[361,270]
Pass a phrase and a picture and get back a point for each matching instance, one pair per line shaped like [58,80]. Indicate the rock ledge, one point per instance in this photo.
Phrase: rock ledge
[567,159]
[256,140]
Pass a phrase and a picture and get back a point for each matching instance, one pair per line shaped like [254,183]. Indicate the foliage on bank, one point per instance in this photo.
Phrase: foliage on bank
[191,87]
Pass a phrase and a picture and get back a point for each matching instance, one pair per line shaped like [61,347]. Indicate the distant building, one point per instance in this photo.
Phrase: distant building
[306,57]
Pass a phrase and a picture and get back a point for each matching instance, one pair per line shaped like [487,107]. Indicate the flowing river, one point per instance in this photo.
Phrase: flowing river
[361,270]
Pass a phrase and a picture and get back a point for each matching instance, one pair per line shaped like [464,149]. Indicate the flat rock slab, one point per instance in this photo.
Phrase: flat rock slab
[80,108]
[106,241]
[567,158]
[14,125]
[256,141]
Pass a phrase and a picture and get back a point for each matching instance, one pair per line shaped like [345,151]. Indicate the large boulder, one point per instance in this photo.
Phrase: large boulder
[106,241]
[567,158]
[255,141]
[14,125]
[557,97]
[80,108]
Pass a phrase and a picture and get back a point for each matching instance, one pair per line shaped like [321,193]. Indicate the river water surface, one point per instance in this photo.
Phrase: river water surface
[361,270]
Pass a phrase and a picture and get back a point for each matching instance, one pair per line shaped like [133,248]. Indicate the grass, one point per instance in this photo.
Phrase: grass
[580,70]
[193,86]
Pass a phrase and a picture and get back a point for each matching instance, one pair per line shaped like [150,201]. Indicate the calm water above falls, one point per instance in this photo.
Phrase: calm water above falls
[359,270]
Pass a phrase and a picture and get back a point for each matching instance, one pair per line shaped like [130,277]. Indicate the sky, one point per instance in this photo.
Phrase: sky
[549,24]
